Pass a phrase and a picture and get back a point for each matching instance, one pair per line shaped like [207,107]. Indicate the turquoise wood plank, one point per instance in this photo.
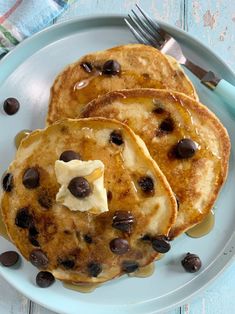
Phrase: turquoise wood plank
[213,22]
[168,10]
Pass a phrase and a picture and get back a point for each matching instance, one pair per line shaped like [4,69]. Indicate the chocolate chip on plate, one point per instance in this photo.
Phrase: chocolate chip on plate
[9,258]
[67,263]
[79,187]
[88,238]
[31,178]
[167,125]
[129,266]
[23,218]
[161,244]
[119,246]
[38,258]
[87,67]
[186,148]
[191,263]
[111,67]
[11,106]
[7,182]
[116,138]
[94,269]
[146,184]
[44,279]
[123,220]
[69,155]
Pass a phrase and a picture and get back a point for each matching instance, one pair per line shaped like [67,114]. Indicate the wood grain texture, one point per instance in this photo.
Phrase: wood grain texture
[11,301]
[213,22]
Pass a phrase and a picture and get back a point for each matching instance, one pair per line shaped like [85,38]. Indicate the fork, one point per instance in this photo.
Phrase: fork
[148,32]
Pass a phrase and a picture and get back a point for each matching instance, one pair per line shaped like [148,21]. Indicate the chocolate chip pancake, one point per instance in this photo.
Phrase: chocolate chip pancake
[188,142]
[75,243]
[123,67]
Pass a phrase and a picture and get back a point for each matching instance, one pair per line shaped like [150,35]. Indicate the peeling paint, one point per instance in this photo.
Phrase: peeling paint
[178,23]
[197,11]
[209,19]
[223,34]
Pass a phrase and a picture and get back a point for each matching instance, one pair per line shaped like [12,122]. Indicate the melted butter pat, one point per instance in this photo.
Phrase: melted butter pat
[84,288]
[202,228]
[93,172]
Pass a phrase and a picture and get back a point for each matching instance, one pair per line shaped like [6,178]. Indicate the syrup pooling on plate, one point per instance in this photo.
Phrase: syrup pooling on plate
[20,136]
[142,272]
[204,227]
[84,288]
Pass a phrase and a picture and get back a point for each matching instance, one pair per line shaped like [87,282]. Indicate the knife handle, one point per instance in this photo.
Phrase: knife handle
[226,91]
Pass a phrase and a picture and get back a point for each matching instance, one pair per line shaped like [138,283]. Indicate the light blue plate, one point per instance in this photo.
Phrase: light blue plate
[27,74]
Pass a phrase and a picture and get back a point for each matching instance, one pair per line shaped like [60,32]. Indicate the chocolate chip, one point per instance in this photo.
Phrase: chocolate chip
[33,234]
[34,241]
[109,196]
[31,178]
[38,258]
[146,237]
[11,106]
[129,266]
[7,182]
[45,200]
[44,279]
[123,220]
[116,138]
[79,187]
[158,110]
[87,67]
[191,263]
[67,263]
[88,238]
[167,125]
[146,184]
[119,246]
[161,244]
[111,67]
[33,231]
[9,258]
[94,269]
[69,155]
[23,218]
[186,148]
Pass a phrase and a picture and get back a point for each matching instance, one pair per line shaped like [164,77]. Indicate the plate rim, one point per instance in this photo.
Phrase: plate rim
[14,53]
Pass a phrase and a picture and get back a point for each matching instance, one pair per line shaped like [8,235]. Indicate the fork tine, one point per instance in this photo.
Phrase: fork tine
[136,34]
[142,32]
[152,23]
[155,35]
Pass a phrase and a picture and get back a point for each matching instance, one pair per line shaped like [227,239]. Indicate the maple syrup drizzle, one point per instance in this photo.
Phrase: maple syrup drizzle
[84,83]
[202,228]
[20,136]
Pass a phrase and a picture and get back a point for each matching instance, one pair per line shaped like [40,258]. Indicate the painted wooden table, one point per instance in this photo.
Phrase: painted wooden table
[213,22]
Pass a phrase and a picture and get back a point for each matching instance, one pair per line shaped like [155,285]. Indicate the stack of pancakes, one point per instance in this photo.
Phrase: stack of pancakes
[165,159]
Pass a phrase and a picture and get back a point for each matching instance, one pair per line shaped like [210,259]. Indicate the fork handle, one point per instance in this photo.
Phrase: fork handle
[226,91]
[220,87]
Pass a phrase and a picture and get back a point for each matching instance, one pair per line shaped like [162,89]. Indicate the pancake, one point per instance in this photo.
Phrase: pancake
[74,245]
[138,66]
[187,141]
